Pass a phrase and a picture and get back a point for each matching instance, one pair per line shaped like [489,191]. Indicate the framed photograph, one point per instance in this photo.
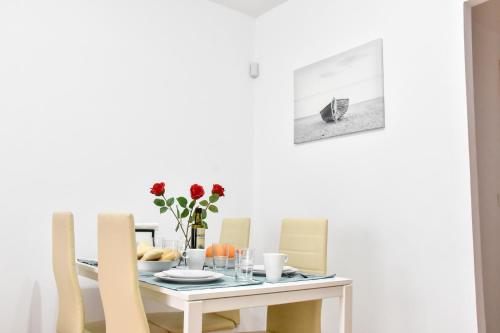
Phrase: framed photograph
[146,233]
[340,95]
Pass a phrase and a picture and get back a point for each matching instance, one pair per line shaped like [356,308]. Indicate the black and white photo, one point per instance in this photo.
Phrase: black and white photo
[340,95]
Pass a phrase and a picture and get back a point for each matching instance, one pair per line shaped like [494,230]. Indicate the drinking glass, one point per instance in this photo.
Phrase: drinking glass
[243,264]
[220,257]
[170,244]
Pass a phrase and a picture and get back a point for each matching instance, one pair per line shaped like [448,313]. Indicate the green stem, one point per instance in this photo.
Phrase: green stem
[206,208]
[179,222]
[188,238]
[191,211]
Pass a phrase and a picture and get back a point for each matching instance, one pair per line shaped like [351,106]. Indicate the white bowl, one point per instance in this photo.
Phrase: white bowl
[155,266]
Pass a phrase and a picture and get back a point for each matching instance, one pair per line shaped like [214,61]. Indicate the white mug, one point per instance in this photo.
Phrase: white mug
[273,264]
[195,258]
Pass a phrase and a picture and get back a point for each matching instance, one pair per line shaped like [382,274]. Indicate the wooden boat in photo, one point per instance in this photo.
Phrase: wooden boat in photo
[335,110]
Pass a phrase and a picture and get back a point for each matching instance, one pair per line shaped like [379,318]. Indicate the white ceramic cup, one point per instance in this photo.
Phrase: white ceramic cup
[195,258]
[273,264]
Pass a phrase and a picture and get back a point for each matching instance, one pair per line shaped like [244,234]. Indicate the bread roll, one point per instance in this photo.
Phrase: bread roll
[169,255]
[152,255]
[142,248]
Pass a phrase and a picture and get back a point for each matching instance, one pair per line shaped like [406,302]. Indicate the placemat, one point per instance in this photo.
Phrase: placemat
[226,282]
[295,277]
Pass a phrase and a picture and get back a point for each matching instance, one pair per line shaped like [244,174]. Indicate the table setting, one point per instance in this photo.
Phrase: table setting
[225,272]
[196,277]
[218,266]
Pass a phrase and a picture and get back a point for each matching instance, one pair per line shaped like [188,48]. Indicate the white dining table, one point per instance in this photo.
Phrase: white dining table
[196,302]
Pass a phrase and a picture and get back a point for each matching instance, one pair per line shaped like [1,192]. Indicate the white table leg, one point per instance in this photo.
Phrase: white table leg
[346,310]
[192,317]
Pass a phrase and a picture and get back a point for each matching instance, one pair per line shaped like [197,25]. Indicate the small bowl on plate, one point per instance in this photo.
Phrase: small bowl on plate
[155,266]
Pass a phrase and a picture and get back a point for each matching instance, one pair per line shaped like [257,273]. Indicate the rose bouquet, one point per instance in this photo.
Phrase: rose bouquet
[182,209]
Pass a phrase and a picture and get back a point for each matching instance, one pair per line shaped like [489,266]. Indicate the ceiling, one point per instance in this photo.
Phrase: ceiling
[250,7]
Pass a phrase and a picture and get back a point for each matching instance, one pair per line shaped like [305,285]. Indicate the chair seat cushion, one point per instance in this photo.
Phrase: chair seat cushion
[173,322]
[100,327]
[156,329]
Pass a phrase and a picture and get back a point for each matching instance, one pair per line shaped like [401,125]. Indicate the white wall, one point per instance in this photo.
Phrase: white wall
[486,56]
[98,99]
[398,199]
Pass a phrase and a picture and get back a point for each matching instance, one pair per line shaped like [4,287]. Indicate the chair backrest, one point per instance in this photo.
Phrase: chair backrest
[120,295]
[235,231]
[305,242]
[71,312]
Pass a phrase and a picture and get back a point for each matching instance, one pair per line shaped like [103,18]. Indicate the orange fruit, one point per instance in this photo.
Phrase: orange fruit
[229,249]
[209,252]
[219,250]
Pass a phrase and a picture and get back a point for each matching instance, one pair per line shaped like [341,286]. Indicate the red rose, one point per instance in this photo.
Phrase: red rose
[217,189]
[158,189]
[197,191]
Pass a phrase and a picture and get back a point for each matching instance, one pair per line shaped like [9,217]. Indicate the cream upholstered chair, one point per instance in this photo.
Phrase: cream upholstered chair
[71,318]
[120,295]
[305,242]
[235,231]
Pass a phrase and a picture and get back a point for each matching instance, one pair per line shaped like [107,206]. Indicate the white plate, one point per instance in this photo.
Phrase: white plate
[188,274]
[215,277]
[260,270]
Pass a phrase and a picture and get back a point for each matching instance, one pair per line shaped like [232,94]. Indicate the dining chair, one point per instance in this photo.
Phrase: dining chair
[71,317]
[235,231]
[305,243]
[120,295]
